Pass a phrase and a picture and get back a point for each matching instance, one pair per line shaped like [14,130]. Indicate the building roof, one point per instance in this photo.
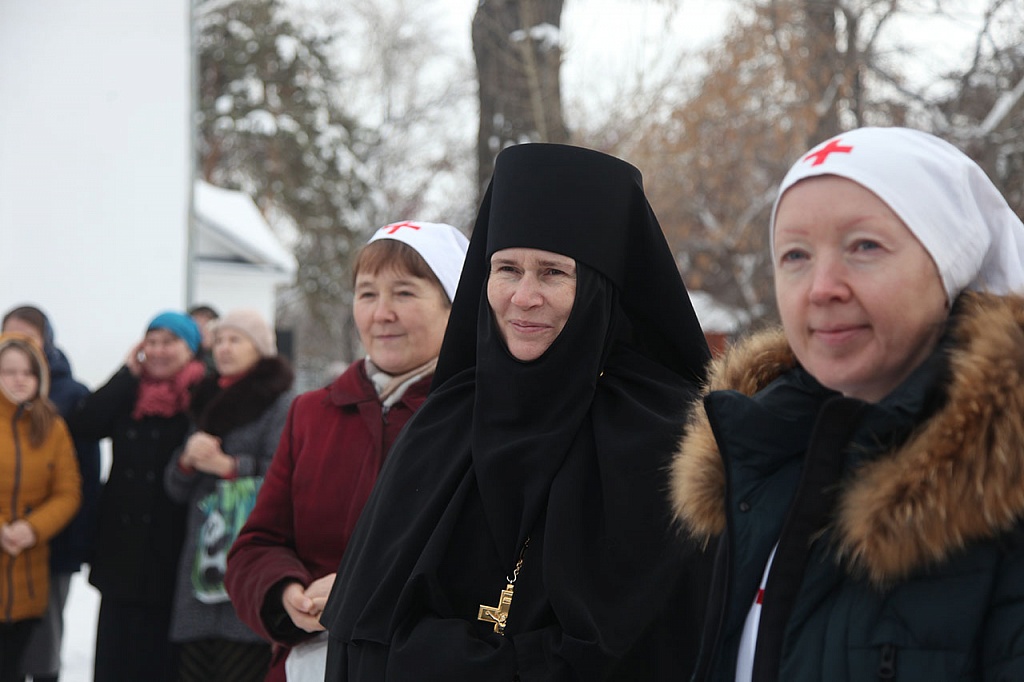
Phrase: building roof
[231,229]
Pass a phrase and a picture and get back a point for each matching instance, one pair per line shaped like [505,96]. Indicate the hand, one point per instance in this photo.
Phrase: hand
[136,356]
[17,537]
[203,453]
[302,608]
[319,590]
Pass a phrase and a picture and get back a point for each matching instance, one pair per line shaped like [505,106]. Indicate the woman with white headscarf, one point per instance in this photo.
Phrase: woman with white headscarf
[864,465]
[337,438]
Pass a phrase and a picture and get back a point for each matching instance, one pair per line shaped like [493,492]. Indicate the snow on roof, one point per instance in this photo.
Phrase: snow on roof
[235,222]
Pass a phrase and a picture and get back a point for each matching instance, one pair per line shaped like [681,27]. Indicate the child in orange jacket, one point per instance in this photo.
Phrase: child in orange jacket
[40,491]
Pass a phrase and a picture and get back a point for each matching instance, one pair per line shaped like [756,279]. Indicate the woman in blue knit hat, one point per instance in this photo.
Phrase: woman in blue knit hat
[143,410]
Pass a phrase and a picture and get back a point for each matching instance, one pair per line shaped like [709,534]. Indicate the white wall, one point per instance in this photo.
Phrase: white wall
[227,287]
[94,168]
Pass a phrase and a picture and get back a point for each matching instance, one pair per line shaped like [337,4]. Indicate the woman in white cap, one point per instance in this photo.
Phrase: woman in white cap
[237,413]
[282,566]
[864,465]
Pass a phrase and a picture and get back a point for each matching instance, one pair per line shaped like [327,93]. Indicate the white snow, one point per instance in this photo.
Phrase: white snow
[235,217]
[79,630]
[715,317]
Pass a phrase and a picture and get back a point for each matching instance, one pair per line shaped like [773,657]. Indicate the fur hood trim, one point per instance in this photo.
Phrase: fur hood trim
[958,479]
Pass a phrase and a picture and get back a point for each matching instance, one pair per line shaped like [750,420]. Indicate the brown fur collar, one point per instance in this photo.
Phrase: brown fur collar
[219,411]
[958,479]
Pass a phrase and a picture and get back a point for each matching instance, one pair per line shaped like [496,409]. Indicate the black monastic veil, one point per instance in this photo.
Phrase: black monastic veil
[568,451]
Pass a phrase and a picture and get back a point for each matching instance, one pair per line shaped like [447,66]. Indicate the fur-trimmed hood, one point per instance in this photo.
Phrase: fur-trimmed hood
[959,478]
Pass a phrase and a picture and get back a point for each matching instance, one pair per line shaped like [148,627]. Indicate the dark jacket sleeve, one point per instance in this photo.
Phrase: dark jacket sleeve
[263,557]
[178,483]
[1003,639]
[94,416]
[272,426]
[74,545]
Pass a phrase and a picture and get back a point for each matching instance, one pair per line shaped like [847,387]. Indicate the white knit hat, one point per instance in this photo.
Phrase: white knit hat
[253,325]
[442,246]
[943,197]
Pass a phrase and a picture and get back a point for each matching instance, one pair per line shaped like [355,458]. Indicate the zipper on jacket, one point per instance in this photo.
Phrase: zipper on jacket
[887,664]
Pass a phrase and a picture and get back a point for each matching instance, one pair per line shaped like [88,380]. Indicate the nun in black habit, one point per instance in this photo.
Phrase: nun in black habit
[520,527]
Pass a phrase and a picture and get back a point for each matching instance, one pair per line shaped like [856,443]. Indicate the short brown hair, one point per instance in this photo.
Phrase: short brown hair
[29,315]
[391,254]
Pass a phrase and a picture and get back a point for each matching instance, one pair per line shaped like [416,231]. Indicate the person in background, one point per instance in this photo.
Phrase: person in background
[143,409]
[864,465]
[238,413]
[519,529]
[72,546]
[203,315]
[40,491]
[336,439]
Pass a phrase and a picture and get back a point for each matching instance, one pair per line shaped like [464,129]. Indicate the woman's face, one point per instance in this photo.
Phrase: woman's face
[401,318]
[233,352]
[531,293]
[860,299]
[16,375]
[166,354]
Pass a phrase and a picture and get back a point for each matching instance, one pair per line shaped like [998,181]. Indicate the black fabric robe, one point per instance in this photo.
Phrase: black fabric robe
[567,451]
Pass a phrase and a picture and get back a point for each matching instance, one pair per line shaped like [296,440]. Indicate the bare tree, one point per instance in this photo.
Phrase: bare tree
[984,113]
[789,74]
[403,85]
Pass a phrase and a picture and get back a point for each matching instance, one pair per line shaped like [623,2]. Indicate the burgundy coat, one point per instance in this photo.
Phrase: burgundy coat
[327,461]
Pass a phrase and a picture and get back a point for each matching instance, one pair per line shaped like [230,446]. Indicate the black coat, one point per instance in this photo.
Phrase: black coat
[139,529]
[564,453]
[73,546]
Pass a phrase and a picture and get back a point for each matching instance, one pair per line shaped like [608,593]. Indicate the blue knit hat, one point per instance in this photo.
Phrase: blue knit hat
[180,325]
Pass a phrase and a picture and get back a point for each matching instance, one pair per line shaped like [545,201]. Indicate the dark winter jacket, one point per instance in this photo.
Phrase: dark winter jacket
[899,524]
[139,528]
[248,416]
[334,443]
[73,546]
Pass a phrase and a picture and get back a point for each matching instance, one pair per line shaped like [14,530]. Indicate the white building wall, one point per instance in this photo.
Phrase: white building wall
[95,173]
[228,287]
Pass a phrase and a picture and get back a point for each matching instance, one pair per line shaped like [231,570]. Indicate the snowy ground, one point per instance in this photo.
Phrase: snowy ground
[79,630]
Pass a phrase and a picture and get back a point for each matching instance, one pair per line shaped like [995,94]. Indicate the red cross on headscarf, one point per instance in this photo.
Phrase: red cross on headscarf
[821,155]
[395,227]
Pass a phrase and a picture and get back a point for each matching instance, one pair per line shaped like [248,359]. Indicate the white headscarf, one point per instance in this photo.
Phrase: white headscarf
[442,246]
[943,197]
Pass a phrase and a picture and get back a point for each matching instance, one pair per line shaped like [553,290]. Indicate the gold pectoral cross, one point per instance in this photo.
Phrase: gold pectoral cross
[497,614]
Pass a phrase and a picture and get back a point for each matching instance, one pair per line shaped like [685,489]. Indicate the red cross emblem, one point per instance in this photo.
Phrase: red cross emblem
[395,227]
[821,155]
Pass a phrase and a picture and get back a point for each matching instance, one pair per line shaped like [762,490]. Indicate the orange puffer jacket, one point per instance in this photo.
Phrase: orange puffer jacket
[41,485]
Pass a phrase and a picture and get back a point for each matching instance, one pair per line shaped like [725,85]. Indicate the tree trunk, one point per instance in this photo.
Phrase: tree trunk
[825,66]
[518,56]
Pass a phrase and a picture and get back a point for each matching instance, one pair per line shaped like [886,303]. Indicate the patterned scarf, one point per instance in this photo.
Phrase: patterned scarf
[167,397]
[391,388]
